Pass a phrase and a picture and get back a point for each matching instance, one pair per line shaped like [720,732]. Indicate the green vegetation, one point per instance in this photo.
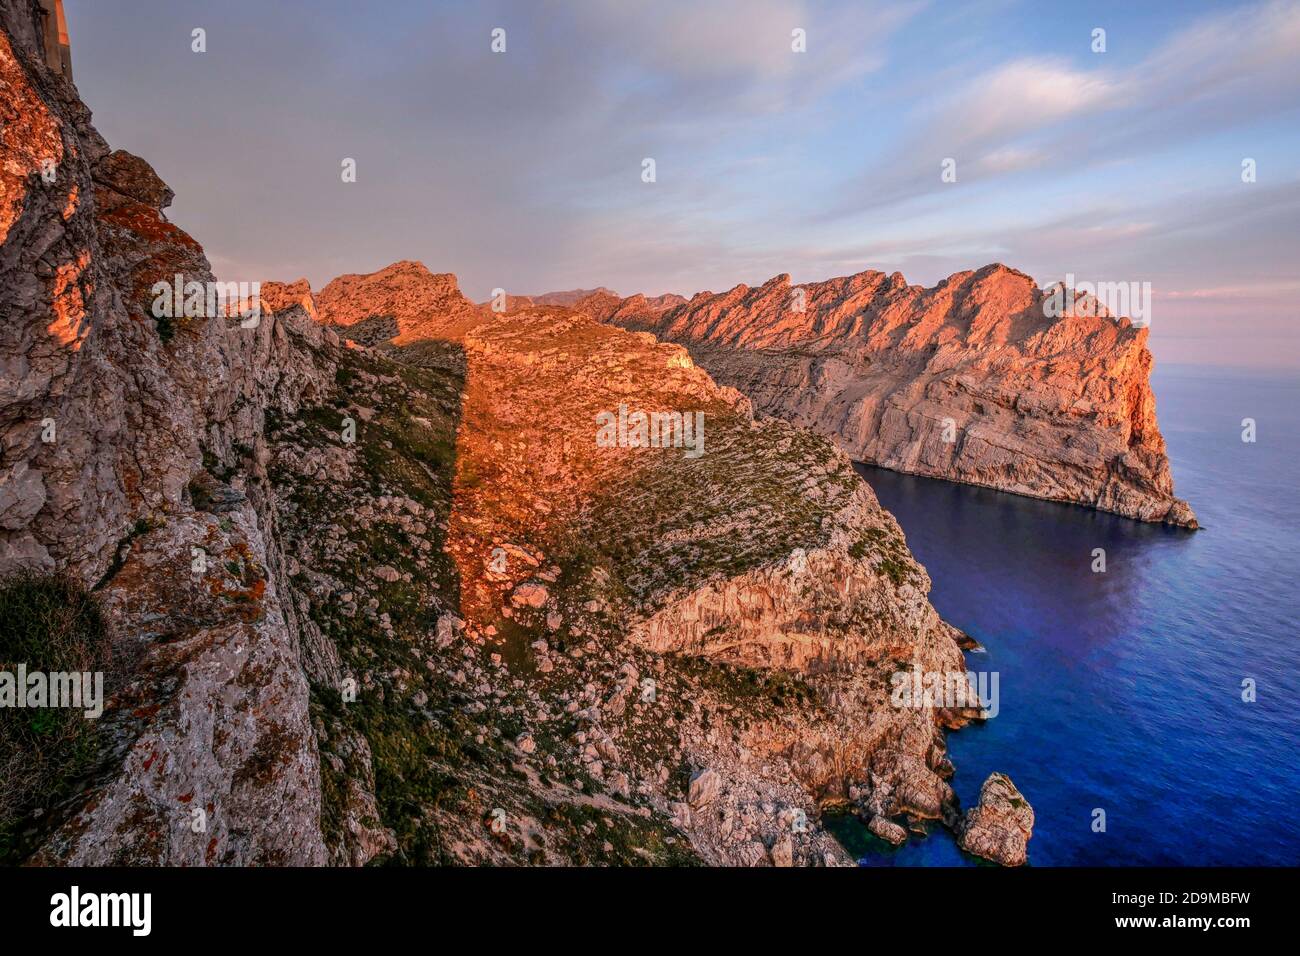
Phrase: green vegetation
[761,513]
[754,692]
[895,570]
[407,447]
[633,839]
[49,624]
[895,561]
[166,328]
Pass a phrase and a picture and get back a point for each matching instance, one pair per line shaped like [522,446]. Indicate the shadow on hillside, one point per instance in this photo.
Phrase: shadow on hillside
[384,698]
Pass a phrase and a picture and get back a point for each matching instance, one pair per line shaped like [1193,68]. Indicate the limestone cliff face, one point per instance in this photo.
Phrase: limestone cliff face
[112,422]
[968,380]
[853,594]
[566,298]
[850,610]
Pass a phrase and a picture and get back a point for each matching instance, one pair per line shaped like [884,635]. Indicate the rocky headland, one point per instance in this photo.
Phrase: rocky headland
[972,380]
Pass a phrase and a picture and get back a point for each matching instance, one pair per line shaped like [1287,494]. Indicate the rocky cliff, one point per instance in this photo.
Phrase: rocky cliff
[389,577]
[566,298]
[114,422]
[970,380]
[627,619]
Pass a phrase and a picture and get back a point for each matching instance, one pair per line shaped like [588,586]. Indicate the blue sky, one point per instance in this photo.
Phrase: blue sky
[522,170]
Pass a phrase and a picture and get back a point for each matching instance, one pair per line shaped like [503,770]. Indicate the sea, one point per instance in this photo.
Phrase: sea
[1147,712]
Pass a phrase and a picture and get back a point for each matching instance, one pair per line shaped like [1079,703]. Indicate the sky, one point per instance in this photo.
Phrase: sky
[523,169]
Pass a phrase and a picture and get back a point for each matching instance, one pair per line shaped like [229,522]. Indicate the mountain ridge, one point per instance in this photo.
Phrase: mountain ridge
[969,380]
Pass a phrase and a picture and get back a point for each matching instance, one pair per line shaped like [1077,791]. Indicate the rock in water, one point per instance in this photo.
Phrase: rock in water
[887,830]
[999,828]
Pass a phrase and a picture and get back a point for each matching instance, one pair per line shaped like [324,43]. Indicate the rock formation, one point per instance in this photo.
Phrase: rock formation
[1000,826]
[760,579]
[376,588]
[58,51]
[417,303]
[969,380]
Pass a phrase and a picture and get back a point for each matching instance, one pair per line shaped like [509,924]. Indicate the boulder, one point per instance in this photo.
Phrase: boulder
[888,830]
[530,594]
[783,851]
[1000,826]
[703,788]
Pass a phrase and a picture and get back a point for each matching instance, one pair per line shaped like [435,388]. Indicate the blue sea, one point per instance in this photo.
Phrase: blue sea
[1122,691]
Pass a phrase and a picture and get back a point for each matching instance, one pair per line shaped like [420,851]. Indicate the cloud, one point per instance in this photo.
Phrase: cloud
[1021,97]
[738,52]
[522,170]
[1220,73]
[1011,158]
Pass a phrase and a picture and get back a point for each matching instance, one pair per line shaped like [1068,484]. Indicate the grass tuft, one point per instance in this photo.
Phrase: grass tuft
[47,623]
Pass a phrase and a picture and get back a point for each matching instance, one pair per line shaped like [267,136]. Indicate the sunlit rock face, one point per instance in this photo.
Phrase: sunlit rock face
[999,827]
[416,302]
[975,380]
